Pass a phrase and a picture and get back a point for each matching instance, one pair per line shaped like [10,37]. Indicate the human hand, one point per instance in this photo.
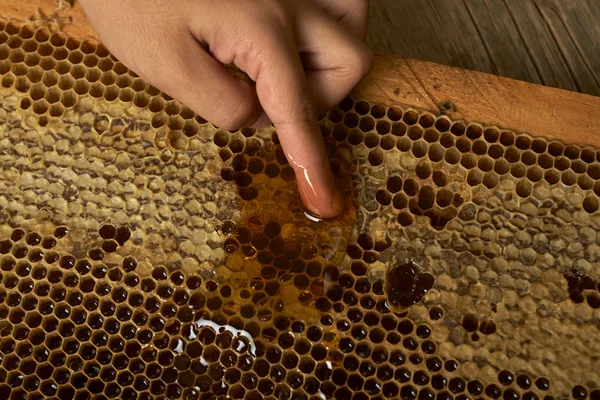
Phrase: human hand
[304,57]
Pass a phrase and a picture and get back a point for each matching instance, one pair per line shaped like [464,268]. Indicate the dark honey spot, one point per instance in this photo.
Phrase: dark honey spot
[17,235]
[493,391]
[436,313]
[243,179]
[109,246]
[524,381]
[60,232]
[228,174]
[33,239]
[122,235]
[36,255]
[255,166]
[107,232]
[5,246]
[487,327]
[579,392]
[511,394]
[405,219]
[470,323]
[48,242]
[231,246]
[272,229]
[423,331]
[20,251]
[96,254]
[406,285]
[129,264]
[287,173]
[272,170]
[240,163]
[593,299]
[426,198]
[576,296]
[228,228]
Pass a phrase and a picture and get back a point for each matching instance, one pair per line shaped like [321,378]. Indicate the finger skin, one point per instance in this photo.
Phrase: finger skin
[352,14]
[286,98]
[270,57]
[335,62]
[169,57]
[180,47]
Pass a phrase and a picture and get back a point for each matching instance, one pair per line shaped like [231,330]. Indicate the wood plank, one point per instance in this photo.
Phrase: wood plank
[391,29]
[553,42]
[460,37]
[430,30]
[501,39]
[580,20]
[539,44]
[461,94]
[574,56]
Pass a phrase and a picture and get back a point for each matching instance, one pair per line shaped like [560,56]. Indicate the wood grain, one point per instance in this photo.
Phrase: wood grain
[539,45]
[501,39]
[577,36]
[551,42]
[459,93]
[430,30]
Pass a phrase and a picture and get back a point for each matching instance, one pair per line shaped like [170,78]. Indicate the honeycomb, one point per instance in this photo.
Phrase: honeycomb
[146,254]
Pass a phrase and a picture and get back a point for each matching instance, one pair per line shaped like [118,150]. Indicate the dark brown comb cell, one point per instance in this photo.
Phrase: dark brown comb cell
[406,285]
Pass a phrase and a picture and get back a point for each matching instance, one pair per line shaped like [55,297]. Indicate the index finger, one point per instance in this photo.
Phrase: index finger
[285,97]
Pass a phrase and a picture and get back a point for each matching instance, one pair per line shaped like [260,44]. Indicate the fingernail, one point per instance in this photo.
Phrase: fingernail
[319,192]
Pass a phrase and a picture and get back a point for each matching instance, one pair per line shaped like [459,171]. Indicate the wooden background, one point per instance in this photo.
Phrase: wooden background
[549,42]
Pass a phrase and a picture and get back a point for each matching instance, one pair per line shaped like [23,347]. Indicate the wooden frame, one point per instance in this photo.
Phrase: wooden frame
[462,95]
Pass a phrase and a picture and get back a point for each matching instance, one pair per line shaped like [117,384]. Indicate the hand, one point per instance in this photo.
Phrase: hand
[304,57]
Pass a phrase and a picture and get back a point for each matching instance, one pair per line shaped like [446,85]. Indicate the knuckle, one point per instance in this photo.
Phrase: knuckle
[362,61]
[304,112]
[257,48]
[297,110]
[307,111]
[356,64]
